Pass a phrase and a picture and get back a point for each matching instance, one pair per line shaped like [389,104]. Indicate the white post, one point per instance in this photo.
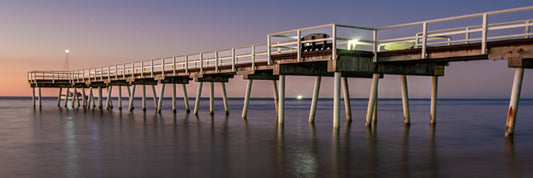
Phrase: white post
[198,95]
[314,102]
[144,98]
[33,96]
[347,105]
[66,97]
[132,97]
[336,100]
[40,99]
[100,97]
[513,104]
[405,100]
[83,98]
[155,96]
[186,98]
[247,99]
[108,103]
[433,109]
[91,98]
[281,104]
[225,97]
[276,100]
[484,30]
[74,96]
[58,97]
[161,94]
[212,98]
[372,100]
[174,97]
[120,97]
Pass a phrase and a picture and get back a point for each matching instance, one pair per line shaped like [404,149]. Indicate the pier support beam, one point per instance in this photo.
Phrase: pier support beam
[119,97]
[91,98]
[276,99]
[513,104]
[247,98]
[40,99]
[314,102]
[66,98]
[83,98]
[347,105]
[198,95]
[281,112]
[100,97]
[336,99]
[144,98]
[108,102]
[173,97]
[155,96]
[186,98]
[405,100]
[162,93]
[433,109]
[74,98]
[131,97]
[225,97]
[33,96]
[212,98]
[372,100]
[58,97]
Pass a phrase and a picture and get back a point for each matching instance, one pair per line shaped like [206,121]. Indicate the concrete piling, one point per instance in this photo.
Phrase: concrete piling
[347,105]
[372,100]
[224,97]
[513,103]
[433,108]
[154,96]
[40,99]
[212,98]
[33,96]
[281,112]
[131,98]
[108,98]
[314,101]
[276,99]
[198,95]
[173,97]
[66,98]
[162,93]
[247,98]
[100,98]
[336,99]
[58,97]
[83,98]
[119,97]
[405,100]
[74,97]
[186,98]
[144,98]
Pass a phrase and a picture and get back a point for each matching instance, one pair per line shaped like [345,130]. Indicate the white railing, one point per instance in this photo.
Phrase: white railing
[338,37]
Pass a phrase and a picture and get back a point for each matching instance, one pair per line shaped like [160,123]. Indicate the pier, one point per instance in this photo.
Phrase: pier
[332,50]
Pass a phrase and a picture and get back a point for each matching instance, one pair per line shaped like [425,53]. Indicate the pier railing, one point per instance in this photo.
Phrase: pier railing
[475,30]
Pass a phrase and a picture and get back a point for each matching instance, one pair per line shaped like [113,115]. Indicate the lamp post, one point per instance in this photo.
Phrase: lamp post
[67,52]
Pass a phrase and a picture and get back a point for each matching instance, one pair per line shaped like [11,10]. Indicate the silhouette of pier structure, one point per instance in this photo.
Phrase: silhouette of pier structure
[340,51]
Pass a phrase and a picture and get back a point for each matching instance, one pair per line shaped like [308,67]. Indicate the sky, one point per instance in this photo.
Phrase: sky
[34,35]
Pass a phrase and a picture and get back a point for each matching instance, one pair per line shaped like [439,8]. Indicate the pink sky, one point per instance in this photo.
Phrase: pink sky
[36,33]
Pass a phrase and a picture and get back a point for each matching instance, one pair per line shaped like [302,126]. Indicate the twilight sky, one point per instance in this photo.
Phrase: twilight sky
[35,33]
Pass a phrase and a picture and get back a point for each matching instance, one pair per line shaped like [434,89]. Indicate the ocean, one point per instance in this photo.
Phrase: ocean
[467,141]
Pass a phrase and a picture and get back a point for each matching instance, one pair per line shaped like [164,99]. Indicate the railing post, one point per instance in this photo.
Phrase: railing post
[253,57]
[375,45]
[233,59]
[174,65]
[334,42]
[201,63]
[124,71]
[133,70]
[269,53]
[528,28]
[163,67]
[299,45]
[116,72]
[424,39]
[484,34]
[108,72]
[101,73]
[187,64]
[467,35]
[216,61]
[152,68]
[142,69]
[53,77]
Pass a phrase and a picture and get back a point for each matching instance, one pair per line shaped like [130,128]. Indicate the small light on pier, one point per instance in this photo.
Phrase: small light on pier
[67,51]
[299,97]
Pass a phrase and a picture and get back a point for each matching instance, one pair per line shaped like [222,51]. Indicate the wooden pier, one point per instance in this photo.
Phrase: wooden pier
[327,50]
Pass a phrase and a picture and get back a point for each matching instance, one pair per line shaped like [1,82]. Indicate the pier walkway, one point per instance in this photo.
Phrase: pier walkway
[341,51]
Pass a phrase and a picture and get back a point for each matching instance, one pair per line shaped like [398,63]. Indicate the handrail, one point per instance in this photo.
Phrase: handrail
[291,40]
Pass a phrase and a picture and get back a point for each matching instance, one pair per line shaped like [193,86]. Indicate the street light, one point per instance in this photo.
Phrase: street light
[67,52]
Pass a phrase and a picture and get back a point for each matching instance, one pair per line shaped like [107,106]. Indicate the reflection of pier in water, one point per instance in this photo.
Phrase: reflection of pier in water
[327,50]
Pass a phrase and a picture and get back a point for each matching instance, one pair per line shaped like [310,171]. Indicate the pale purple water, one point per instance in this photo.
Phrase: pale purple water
[468,141]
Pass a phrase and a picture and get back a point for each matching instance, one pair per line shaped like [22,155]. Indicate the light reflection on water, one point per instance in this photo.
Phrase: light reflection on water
[55,142]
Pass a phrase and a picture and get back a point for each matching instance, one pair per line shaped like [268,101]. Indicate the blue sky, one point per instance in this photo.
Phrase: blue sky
[36,33]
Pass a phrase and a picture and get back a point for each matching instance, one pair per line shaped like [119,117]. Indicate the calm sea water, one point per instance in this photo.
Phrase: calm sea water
[467,141]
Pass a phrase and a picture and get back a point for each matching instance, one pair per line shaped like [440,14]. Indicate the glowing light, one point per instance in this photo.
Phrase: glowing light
[299,97]
[67,51]
[352,44]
